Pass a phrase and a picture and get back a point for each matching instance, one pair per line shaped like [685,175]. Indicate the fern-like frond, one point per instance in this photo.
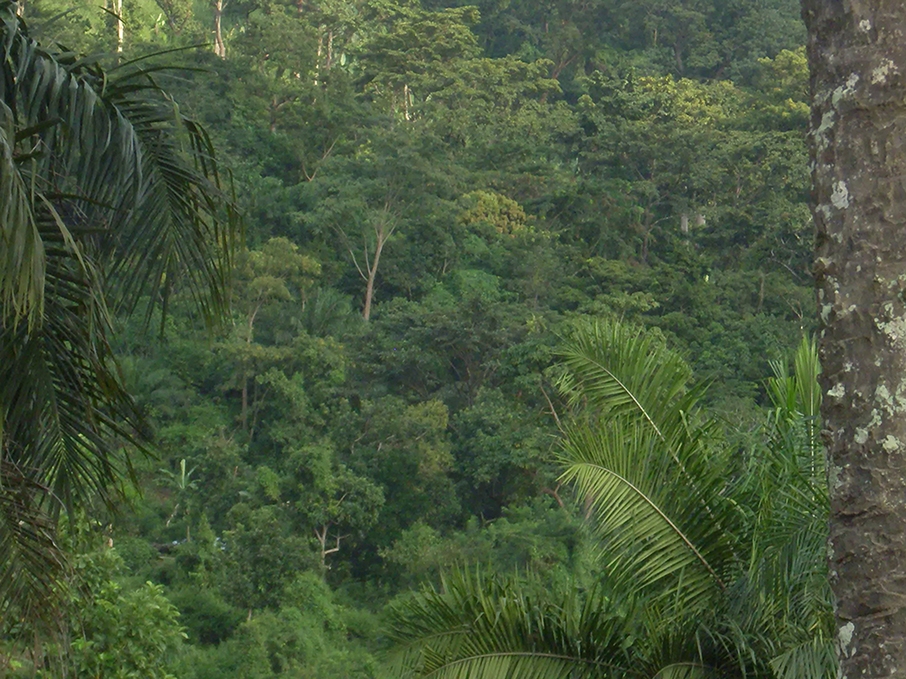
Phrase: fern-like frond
[494,628]
[618,370]
[107,193]
[31,568]
[815,659]
[657,531]
[648,464]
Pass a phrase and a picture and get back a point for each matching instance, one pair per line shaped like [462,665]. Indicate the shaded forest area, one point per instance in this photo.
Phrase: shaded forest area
[435,195]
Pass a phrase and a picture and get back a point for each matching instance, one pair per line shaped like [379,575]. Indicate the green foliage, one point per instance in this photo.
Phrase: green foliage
[406,450]
[108,193]
[116,632]
[540,538]
[502,450]
[305,638]
[259,557]
[207,618]
[127,635]
[709,563]
[436,195]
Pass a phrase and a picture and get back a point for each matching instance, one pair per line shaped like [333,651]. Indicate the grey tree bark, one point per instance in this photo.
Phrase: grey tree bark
[857,56]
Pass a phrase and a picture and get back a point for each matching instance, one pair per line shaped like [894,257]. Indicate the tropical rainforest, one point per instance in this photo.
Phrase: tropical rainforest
[510,373]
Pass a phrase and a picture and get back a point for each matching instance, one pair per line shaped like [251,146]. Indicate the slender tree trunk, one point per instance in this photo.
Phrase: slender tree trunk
[384,227]
[406,101]
[274,108]
[329,61]
[372,273]
[318,56]
[383,230]
[219,47]
[322,534]
[678,56]
[857,55]
[120,25]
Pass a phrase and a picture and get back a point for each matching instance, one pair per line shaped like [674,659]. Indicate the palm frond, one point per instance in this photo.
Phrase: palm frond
[107,193]
[619,370]
[815,658]
[783,598]
[117,153]
[647,462]
[714,557]
[493,628]
[655,531]
[685,670]
[66,414]
[186,228]
[21,249]
[32,565]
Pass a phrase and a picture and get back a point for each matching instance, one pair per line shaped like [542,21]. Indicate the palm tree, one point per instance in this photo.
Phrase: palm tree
[713,557]
[108,196]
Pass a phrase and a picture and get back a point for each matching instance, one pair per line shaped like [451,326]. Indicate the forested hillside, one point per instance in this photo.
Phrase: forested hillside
[435,196]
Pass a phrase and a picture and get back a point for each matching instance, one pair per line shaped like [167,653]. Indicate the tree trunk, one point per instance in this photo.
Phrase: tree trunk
[407,100]
[372,274]
[678,56]
[383,227]
[321,533]
[857,56]
[329,61]
[318,56]
[244,412]
[120,25]
[219,47]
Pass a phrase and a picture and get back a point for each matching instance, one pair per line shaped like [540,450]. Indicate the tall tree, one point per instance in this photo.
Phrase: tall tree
[858,61]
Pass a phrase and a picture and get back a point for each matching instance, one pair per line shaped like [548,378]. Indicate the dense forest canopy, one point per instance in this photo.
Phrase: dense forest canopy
[435,195]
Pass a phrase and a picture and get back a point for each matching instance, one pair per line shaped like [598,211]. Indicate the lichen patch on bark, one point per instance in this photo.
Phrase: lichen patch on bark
[840,196]
[847,90]
[891,443]
[882,72]
[845,636]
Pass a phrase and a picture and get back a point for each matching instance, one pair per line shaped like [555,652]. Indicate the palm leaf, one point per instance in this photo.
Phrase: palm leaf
[21,249]
[684,671]
[515,628]
[713,559]
[654,533]
[815,658]
[107,193]
[29,550]
[187,227]
[647,463]
[492,628]
[783,599]
[141,176]
[617,370]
